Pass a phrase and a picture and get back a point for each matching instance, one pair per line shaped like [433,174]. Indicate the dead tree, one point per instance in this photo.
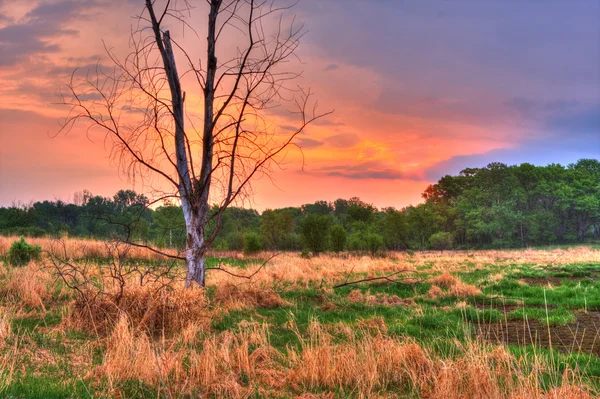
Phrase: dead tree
[140,103]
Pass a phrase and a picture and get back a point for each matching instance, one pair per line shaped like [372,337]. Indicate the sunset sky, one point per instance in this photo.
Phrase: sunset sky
[420,89]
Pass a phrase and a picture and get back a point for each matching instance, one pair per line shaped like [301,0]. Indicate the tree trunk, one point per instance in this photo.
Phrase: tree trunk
[194,243]
[195,271]
[195,253]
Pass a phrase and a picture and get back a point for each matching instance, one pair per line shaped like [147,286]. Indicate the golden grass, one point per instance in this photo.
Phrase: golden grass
[79,248]
[357,296]
[367,364]
[245,296]
[30,284]
[327,269]
[159,312]
[164,337]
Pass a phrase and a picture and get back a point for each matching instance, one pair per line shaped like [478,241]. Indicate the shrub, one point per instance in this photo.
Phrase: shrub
[252,244]
[21,253]
[441,241]
[338,238]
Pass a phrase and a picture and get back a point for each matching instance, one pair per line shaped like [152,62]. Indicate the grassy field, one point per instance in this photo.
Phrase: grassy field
[481,324]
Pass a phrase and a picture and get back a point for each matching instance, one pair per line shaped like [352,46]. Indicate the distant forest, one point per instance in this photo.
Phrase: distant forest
[498,206]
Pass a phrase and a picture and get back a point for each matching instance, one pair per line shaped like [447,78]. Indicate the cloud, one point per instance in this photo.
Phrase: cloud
[342,140]
[563,139]
[327,122]
[535,109]
[583,124]
[331,67]
[33,34]
[308,143]
[371,170]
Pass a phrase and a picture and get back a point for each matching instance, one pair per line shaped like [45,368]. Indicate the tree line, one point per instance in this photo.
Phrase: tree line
[498,206]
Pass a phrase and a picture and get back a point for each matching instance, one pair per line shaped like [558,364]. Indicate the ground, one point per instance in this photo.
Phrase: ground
[493,324]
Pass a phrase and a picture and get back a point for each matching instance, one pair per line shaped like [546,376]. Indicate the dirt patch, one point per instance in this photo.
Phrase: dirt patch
[503,307]
[543,281]
[508,308]
[583,336]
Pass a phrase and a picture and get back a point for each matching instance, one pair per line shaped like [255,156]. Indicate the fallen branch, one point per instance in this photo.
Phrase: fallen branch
[248,277]
[388,277]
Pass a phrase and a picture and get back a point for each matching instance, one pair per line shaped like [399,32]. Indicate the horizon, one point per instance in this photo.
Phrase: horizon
[427,90]
[70,200]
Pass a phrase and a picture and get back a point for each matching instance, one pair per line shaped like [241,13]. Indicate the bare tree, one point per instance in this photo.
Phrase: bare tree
[140,104]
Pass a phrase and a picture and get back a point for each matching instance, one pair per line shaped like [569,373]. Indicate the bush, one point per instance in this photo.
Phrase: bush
[21,253]
[338,238]
[441,241]
[252,244]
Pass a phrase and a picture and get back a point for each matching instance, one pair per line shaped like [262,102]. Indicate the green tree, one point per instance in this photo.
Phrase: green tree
[276,227]
[252,243]
[423,221]
[373,242]
[169,226]
[441,240]
[315,231]
[338,238]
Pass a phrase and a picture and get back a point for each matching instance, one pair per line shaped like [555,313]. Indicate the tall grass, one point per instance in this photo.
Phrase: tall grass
[165,337]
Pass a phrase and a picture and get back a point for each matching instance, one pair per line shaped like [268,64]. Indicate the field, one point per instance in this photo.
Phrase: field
[481,324]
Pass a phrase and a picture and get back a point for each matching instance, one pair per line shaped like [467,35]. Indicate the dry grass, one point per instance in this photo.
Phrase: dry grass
[79,248]
[453,286]
[245,296]
[31,285]
[368,364]
[159,312]
[356,296]
[163,337]
[326,269]
[443,280]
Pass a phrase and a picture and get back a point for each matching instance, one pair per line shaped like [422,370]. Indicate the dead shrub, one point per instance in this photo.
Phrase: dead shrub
[162,312]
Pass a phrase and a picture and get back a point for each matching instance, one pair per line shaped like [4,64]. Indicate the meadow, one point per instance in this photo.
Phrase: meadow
[451,324]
